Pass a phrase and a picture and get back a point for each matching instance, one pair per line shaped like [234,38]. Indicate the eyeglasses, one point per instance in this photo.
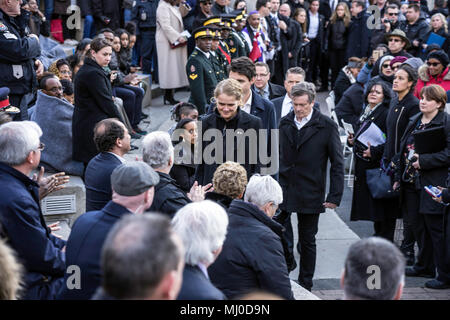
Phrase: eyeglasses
[262,75]
[394,39]
[386,66]
[434,64]
[56,89]
[41,147]
[393,14]
[66,72]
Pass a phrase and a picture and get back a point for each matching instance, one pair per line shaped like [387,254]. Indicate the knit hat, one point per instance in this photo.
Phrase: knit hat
[416,63]
[400,59]
[383,59]
[441,56]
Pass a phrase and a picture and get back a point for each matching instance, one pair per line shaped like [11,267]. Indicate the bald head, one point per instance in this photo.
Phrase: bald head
[285,10]
[11,7]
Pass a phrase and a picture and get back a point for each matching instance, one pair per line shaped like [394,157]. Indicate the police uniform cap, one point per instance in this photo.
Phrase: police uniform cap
[4,102]
[203,32]
[212,20]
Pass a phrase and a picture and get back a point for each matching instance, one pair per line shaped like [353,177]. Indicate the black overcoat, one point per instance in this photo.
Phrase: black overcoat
[304,156]
[93,103]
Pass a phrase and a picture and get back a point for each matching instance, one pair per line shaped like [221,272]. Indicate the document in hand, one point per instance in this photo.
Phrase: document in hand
[373,135]
[185,34]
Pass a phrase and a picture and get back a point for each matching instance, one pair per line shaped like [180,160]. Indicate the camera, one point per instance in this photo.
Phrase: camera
[411,157]
[388,21]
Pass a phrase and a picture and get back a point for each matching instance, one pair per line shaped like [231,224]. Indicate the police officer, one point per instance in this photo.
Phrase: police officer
[144,15]
[19,50]
[200,70]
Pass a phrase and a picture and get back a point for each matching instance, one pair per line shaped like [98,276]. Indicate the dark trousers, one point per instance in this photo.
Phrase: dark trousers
[385,229]
[447,240]
[410,209]
[324,69]
[278,73]
[148,53]
[132,102]
[314,52]
[434,226]
[337,62]
[308,225]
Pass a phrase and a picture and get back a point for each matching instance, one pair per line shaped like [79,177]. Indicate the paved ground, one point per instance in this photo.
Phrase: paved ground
[336,231]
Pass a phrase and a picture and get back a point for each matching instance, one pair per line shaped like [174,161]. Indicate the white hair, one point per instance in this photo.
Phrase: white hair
[157,149]
[202,227]
[17,140]
[262,190]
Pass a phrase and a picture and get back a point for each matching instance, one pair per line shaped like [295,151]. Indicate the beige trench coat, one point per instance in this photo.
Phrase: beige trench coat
[171,62]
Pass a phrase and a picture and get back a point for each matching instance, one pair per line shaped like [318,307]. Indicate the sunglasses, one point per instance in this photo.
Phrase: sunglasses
[393,14]
[434,64]
[395,40]
[386,66]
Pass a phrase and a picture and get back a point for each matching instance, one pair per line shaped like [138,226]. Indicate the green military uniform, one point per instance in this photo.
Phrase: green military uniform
[220,65]
[244,49]
[202,79]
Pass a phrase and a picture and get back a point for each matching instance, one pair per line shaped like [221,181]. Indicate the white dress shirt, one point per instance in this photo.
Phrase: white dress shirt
[287,105]
[248,105]
[313,25]
[118,157]
[205,53]
[304,121]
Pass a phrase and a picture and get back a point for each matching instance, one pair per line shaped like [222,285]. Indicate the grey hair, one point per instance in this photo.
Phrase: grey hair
[295,70]
[157,149]
[202,227]
[262,190]
[304,88]
[17,140]
[373,252]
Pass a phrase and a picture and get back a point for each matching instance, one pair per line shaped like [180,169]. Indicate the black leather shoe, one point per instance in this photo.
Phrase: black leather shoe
[140,131]
[436,284]
[133,148]
[411,272]
[135,135]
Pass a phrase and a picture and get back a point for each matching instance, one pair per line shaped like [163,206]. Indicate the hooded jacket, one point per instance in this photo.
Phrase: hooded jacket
[426,79]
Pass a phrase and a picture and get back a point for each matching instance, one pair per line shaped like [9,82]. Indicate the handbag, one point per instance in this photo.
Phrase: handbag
[379,183]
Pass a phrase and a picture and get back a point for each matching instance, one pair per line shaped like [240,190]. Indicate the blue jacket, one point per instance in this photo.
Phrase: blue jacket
[196,286]
[97,179]
[84,248]
[26,232]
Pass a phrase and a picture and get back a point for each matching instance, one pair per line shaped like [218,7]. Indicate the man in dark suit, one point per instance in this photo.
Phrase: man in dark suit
[263,86]
[133,189]
[308,140]
[203,242]
[294,44]
[113,142]
[283,105]
[316,34]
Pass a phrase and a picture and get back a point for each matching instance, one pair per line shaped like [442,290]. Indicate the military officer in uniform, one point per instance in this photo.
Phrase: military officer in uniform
[216,21]
[240,21]
[235,44]
[220,63]
[200,71]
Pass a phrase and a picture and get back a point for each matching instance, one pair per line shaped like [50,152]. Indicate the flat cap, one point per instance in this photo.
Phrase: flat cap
[133,178]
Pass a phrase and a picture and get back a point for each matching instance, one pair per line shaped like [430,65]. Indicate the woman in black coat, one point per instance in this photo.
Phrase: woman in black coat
[351,104]
[419,166]
[364,207]
[403,106]
[93,100]
[337,38]
[183,170]
[228,116]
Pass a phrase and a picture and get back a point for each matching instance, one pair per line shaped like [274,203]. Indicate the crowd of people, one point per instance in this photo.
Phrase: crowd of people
[207,212]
